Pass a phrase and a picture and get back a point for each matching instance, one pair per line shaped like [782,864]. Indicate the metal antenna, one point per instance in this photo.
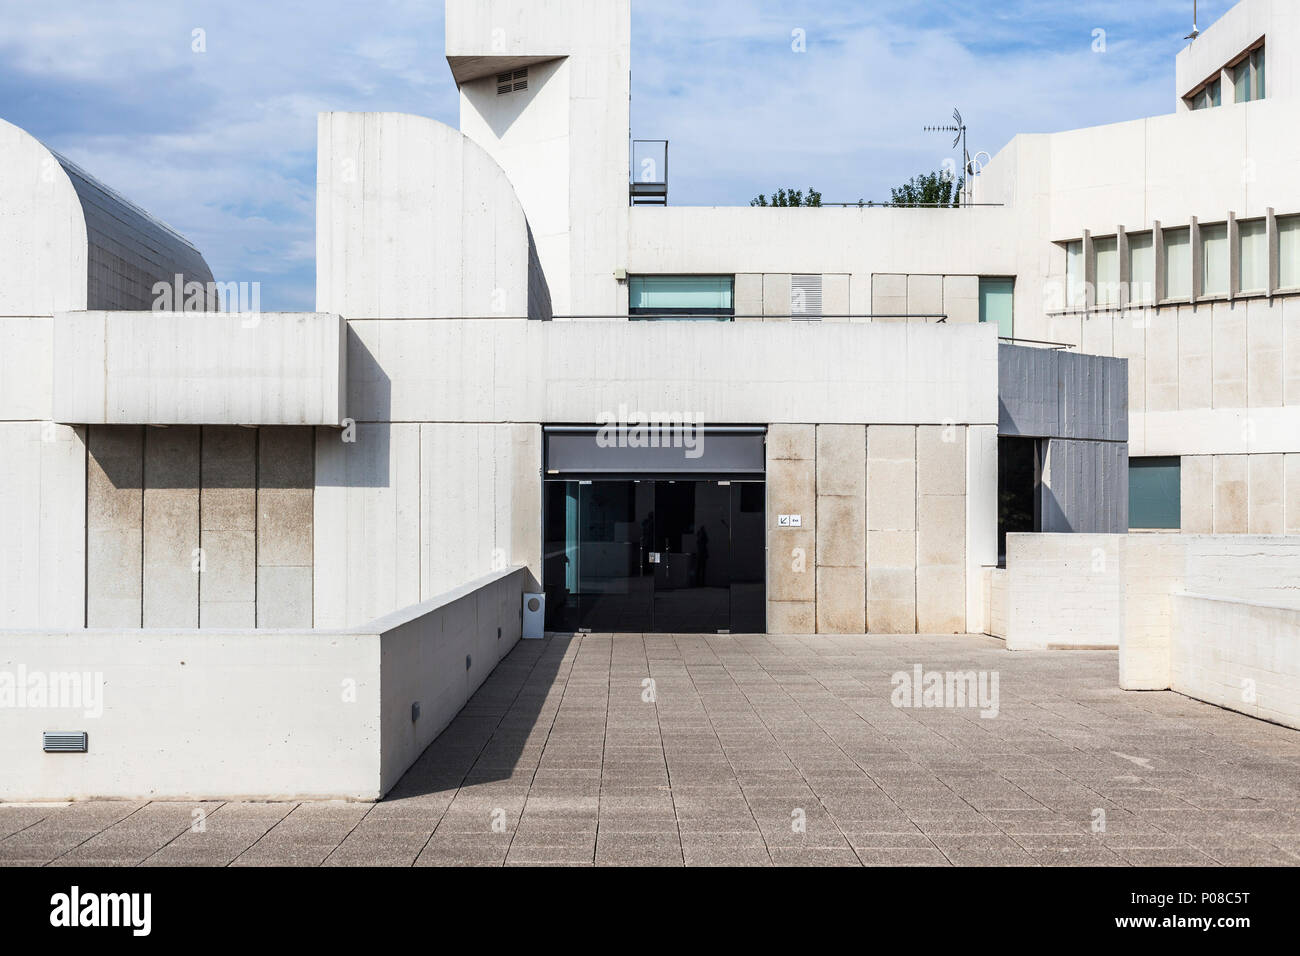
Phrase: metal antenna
[1195,29]
[958,127]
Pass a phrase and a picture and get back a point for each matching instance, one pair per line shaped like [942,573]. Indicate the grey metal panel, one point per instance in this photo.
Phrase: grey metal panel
[1085,487]
[1046,393]
[128,249]
[592,451]
[1027,391]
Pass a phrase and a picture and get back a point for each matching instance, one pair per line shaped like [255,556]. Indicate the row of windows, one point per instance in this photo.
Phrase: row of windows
[1246,75]
[712,298]
[1177,280]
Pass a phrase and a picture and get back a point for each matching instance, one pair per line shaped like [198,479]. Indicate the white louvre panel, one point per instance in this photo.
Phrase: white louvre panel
[512,82]
[806,298]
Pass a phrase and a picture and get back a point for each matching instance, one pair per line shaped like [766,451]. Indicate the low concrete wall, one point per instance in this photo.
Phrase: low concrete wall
[252,714]
[1062,590]
[199,368]
[437,654]
[1238,655]
[1257,569]
[1107,590]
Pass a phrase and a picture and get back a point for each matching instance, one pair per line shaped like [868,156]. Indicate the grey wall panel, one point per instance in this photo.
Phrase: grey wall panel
[171,526]
[114,525]
[1085,487]
[1046,393]
[1028,386]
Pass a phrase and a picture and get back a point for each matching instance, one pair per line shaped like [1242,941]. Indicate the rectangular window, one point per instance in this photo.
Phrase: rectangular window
[707,298]
[1214,259]
[1253,274]
[1210,95]
[1241,82]
[1248,78]
[1154,493]
[1075,297]
[1141,268]
[1107,252]
[1178,263]
[997,301]
[1288,249]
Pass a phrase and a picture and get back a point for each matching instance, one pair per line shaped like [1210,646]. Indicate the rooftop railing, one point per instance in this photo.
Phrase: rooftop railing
[649,186]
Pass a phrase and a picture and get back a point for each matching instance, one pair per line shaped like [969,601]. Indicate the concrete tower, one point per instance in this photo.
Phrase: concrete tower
[545,88]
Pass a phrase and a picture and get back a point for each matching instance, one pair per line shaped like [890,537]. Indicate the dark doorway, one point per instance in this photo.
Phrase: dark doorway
[1019,485]
[666,555]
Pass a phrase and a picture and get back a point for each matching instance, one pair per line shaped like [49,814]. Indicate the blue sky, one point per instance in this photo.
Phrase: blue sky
[222,143]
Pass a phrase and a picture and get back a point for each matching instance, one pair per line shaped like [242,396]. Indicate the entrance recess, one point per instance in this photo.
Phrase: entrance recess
[669,555]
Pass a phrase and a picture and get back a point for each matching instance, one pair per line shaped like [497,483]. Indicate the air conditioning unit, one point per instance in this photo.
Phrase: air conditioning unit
[534,617]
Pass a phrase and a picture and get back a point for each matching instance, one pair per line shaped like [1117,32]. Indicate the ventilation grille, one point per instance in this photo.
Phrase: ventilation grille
[512,82]
[64,742]
[806,297]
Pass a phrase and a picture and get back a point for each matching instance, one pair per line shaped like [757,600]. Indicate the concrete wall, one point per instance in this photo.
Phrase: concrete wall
[1237,654]
[1101,590]
[42,525]
[185,368]
[564,141]
[956,297]
[190,527]
[1063,590]
[733,373]
[885,543]
[1240,494]
[1252,568]
[271,714]
[405,511]
[415,220]
[438,654]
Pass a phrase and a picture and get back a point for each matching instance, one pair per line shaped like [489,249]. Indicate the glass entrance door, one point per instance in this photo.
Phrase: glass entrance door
[683,556]
[692,558]
[597,565]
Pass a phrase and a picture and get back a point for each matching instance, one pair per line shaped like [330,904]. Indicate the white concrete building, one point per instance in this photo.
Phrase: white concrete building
[665,418]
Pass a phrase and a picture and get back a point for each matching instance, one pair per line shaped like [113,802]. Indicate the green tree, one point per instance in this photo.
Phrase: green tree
[789,197]
[928,189]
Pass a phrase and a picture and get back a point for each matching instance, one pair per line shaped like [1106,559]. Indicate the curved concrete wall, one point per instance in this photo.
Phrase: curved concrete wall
[414,220]
[68,242]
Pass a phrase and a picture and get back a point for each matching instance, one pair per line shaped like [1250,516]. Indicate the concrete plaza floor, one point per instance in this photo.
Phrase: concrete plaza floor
[758,750]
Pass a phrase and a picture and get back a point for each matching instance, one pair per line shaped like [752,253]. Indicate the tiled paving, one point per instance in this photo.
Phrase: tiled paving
[758,750]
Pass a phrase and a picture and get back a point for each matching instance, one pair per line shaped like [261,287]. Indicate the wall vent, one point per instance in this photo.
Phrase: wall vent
[64,742]
[512,82]
[806,297]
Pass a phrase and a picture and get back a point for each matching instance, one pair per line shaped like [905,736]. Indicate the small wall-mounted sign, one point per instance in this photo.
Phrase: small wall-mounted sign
[789,521]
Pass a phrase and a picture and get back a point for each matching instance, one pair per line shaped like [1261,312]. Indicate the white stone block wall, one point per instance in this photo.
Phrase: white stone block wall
[882,546]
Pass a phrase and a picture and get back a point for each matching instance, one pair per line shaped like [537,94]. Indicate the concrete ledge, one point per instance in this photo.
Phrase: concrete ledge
[199,368]
[249,714]
[1238,655]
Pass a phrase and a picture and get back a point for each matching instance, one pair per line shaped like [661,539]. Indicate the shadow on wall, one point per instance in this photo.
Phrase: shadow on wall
[201,457]
[487,739]
[363,456]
